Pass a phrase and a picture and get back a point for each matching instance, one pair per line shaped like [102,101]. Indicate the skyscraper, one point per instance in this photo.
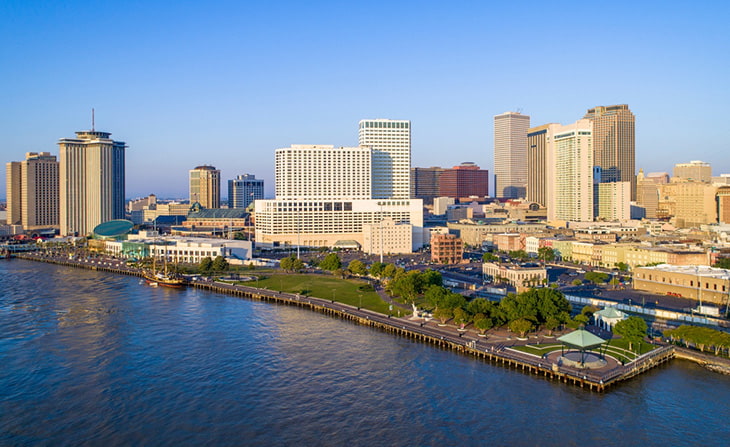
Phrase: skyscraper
[536,168]
[510,154]
[205,186]
[465,180]
[570,172]
[91,178]
[614,143]
[243,190]
[32,191]
[390,141]
[425,183]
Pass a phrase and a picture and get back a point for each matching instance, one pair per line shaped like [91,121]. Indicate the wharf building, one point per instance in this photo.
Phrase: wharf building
[702,283]
[244,190]
[324,195]
[32,192]
[510,155]
[205,186]
[91,181]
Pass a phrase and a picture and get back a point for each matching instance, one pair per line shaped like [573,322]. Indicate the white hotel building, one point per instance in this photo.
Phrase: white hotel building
[325,195]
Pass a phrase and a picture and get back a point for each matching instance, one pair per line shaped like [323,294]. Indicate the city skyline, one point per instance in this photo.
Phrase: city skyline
[233,88]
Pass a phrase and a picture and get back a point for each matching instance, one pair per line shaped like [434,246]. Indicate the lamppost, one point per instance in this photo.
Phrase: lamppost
[333,295]
[360,295]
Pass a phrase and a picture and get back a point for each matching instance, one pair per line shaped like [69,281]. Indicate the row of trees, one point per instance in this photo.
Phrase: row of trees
[701,338]
[208,265]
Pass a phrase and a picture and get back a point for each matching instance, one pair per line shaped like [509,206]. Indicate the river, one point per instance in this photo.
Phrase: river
[99,359]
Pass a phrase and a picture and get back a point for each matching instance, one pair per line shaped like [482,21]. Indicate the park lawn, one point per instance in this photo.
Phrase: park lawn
[616,348]
[323,286]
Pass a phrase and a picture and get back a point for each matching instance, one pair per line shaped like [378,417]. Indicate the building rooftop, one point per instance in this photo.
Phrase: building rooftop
[697,270]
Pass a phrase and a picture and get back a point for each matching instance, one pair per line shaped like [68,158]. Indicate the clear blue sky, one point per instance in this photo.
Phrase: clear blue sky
[186,83]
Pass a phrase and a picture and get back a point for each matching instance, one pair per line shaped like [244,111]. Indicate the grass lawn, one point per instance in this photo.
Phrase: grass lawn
[617,348]
[323,286]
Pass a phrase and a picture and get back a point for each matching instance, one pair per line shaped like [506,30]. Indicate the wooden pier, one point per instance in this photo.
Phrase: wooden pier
[594,380]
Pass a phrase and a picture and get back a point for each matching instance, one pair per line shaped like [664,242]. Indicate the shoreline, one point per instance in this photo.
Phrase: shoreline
[484,348]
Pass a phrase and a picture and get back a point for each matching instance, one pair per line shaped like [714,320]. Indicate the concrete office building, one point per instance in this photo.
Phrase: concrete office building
[425,183]
[697,171]
[390,141]
[205,186]
[465,180]
[536,164]
[91,181]
[614,201]
[243,190]
[569,164]
[510,155]
[614,144]
[32,191]
[647,191]
[387,237]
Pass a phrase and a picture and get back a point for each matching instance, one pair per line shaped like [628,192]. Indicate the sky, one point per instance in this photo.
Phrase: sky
[226,83]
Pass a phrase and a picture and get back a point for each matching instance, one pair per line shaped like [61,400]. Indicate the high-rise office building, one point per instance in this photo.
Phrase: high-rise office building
[425,183]
[614,143]
[536,167]
[390,141]
[32,191]
[205,186]
[695,170]
[510,155]
[243,190]
[569,161]
[325,195]
[91,178]
[465,180]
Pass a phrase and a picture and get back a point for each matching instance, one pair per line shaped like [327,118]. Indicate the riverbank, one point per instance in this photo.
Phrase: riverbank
[495,348]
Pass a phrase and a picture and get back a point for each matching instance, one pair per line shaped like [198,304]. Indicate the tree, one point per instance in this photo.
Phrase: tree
[589,310]
[596,277]
[520,326]
[547,254]
[581,319]
[622,266]
[357,267]
[286,263]
[632,329]
[520,255]
[723,263]
[389,271]
[376,269]
[490,257]
[460,316]
[331,262]
[576,282]
[220,264]
[435,296]
[551,324]
[483,324]
[205,265]
[443,314]
[431,278]
[406,285]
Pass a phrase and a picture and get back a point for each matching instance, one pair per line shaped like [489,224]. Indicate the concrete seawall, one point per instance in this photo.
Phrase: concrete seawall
[594,380]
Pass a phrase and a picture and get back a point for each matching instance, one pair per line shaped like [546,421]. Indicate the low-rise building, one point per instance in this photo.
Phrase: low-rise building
[387,237]
[518,276]
[446,249]
[702,283]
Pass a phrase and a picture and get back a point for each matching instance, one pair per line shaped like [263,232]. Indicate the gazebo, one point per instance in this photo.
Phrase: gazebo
[608,317]
[582,340]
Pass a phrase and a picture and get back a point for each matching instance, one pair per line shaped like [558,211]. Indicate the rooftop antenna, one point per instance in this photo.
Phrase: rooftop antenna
[92,119]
